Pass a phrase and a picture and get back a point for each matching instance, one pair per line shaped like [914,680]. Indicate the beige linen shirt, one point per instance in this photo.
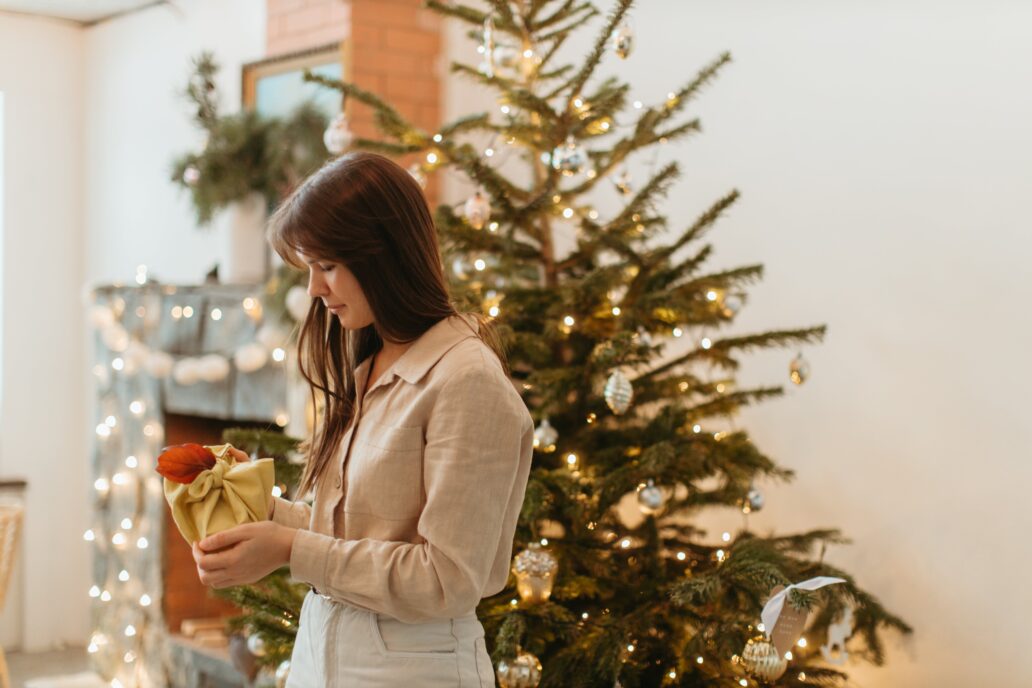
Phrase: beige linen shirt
[416,519]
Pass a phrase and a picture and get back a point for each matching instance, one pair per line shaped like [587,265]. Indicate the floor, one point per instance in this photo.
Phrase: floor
[23,666]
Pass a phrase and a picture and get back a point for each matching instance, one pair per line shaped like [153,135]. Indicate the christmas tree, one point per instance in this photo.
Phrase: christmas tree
[598,597]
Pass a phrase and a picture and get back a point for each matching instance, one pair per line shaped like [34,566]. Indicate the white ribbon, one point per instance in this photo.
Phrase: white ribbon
[772,610]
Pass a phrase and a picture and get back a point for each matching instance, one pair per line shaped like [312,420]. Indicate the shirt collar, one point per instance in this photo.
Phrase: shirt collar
[428,349]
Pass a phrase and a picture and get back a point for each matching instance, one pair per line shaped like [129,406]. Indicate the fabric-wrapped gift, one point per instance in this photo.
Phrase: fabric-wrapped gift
[210,491]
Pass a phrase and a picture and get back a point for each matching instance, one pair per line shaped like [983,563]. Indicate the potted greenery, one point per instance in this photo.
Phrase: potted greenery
[247,165]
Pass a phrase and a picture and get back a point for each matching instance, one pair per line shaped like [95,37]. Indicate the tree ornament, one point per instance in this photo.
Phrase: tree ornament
[282,673]
[545,437]
[462,267]
[762,660]
[732,304]
[250,357]
[298,302]
[191,175]
[256,645]
[522,672]
[623,41]
[535,570]
[488,48]
[507,56]
[416,170]
[337,136]
[623,183]
[753,501]
[650,498]
[618,393]
[799,369]
[834,652]
[570,157]
[477,210]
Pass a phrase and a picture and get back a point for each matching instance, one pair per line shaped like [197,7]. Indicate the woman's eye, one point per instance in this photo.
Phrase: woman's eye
[326,268]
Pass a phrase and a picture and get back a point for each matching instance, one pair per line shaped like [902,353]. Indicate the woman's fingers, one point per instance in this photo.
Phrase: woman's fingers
[238,454]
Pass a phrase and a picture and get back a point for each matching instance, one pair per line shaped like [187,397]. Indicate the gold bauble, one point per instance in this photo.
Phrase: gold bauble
[761,659]
[534,569]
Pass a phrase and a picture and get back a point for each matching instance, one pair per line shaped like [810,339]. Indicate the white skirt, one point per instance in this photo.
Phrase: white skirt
[341,645]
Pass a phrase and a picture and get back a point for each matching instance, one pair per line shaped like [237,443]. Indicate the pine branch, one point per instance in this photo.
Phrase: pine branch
[575,85]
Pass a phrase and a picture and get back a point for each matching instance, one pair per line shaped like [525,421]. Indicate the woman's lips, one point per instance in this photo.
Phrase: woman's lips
[336,308]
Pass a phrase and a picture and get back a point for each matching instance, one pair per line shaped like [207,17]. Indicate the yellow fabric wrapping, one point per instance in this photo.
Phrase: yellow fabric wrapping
[230,493]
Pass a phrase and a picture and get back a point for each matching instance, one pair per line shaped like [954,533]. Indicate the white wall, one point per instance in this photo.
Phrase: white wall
[42,419]
[137,123]
[93,120]
[884,154]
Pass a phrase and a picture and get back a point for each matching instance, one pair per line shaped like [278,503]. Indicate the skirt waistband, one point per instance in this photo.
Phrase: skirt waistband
[472,616]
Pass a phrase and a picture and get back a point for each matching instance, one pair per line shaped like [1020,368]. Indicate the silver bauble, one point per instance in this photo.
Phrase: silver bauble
[623,41]
[337,136]
[799,369]
[732,304]
[522,672]
[462,268]
[618,393]
[477,210]
[650,498]
[753,501]
[256,645]
[570,157]
[761,659]
[545,437]
[282,672]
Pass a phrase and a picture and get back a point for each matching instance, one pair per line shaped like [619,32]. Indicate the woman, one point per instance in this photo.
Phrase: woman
[420,460]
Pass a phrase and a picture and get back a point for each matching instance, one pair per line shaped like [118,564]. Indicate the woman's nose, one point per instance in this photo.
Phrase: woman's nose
[316,286]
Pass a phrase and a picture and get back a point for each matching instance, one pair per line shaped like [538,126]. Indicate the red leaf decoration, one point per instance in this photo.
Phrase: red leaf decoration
[183,462]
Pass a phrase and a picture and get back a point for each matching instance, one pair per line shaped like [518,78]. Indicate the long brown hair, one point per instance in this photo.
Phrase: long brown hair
[366,212]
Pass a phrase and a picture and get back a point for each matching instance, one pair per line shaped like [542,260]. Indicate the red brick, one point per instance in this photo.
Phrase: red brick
[307,19]
[418,89]
[387,14]
[412,41]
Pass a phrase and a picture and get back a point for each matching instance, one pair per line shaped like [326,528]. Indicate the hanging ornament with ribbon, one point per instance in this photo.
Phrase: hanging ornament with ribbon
[834,651]
[545,437]
[783,623]
[524,671]
[570,157]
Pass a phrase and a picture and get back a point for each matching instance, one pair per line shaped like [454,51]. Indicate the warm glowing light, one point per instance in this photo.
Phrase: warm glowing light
[117,363]
[625,543]
[216,314]
[282,419]
[141,543]
[706,343]
[123,575]
[127,523]
[276,491]
[94,591]
[131,462]
[111,421]
[638,105]
[130,631]
[616,310]
[678,332]
[726,537]
[188,311]
[100,485]
[568,213]
[278,354]
[431,158]
[145,600]
[137,407]
[103,431]
[105,596]
[569,321]
[120,478]
[177,312]
[802,642]
[681,556]
[698,660]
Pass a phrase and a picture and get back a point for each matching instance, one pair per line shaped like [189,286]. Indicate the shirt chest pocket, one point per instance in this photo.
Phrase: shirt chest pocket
[385,475]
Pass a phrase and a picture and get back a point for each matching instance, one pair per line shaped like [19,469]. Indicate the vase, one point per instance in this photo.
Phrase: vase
[243,250]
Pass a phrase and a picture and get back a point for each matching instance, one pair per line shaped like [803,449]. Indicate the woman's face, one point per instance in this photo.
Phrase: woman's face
[336,285]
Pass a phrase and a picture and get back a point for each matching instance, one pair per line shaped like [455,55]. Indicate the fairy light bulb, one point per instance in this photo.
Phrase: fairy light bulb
[141,543]
[699,660]
[123,575]
[706,343]
[89,536]
[216,314]
[802,642]
[130,631]
[101,485]
[638,105]
[677,332]
[117,363]
[131,462]
[128,657]
[711,295]
[278,354]
[696,428]
[127,523]
[94,591]
[681,556]
[276,491]
[788,656]
[438,138]
[625,543]
[105,596]
[544,542]
[111,421]
[188,311]
[480,264]
[145,600]
[118,539]
[120,478]
[567,213]
[103,431]
[569,321]
[726,537]
[137,407]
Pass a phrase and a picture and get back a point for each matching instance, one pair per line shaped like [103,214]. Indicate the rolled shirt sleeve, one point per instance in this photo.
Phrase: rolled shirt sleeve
[475,479]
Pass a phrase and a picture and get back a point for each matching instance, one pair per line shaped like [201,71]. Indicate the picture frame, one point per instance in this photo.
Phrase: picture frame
[274,86]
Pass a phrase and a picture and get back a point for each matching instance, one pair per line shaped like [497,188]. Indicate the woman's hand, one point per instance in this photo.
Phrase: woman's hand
[243,554]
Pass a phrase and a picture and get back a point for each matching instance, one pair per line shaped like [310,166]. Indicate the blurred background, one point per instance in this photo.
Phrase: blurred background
[883,153]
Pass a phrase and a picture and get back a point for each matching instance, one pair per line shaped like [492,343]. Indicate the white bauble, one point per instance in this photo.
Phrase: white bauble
[270,336]
[101,316]
[478,210]
[186,372]
[159,364]
[298,302]
[115,337]
[337,136]
[213,368]
[250,357]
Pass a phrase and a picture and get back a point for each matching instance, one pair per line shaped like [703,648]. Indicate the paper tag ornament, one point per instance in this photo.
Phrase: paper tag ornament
[784,623]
